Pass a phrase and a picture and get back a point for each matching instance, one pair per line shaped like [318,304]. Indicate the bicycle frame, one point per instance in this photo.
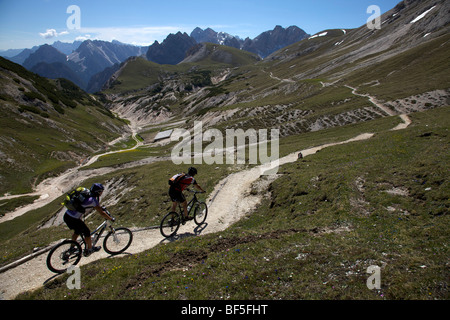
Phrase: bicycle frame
[171,221]
[190,204]
[96,234]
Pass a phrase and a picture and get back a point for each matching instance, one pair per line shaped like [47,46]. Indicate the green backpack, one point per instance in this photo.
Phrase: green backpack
[75,198]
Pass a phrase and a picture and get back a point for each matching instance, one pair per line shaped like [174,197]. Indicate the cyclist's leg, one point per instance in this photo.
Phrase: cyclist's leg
[88,241]
[75,236]
[174,205]
[81,228]
[77,225]
[177,196]
[184,204]
[84,230]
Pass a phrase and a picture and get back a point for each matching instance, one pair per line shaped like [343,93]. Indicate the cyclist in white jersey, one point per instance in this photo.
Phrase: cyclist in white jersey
[74,222]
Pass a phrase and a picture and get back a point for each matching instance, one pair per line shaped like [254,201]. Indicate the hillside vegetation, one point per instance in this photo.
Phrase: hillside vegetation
[302,88]
[325,220]
[202,61]
[321,222]
[46,126]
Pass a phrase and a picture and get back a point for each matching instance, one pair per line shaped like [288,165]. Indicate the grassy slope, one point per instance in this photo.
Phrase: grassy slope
[328,219]
[38,133]
[418,70]
[137,74]
[225,56]
[141,73]
[415,71]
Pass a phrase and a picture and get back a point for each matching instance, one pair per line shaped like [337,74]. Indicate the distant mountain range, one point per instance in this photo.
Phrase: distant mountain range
[91,57]
[90,63]
[263,45]
[20,55]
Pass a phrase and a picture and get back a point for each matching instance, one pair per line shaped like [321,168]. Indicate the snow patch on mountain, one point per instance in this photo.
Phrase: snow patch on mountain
[318,35]
[422,15]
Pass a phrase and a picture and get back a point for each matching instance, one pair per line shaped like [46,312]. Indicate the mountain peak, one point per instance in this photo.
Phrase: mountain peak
[45,53]
[172,50]
[263,45]
[273,40]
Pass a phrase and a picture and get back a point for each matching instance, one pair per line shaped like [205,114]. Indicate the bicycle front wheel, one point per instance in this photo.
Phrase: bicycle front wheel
[170,224]
[117,241]
[62,256]
[200,213]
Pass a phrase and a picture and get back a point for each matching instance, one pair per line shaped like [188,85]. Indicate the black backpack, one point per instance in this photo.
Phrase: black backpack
[176,179]
[75,198]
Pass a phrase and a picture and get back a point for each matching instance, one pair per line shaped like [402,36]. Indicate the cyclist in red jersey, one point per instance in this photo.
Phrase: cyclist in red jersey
[182,181]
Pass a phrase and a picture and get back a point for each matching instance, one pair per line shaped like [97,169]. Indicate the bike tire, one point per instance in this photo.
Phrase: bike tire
[170,224]
[200,213]
[61,256]
[117,241]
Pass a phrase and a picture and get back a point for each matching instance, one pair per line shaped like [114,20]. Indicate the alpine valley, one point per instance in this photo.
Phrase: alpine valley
[88,62]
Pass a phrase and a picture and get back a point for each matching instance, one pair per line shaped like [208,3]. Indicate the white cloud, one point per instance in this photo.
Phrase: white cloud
[51,33]
[83,38]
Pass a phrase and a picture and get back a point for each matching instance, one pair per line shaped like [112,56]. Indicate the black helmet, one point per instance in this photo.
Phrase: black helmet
[96,189]
[192,171]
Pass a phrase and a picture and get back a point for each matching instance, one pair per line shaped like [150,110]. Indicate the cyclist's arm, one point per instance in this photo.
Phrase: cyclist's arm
[103,213]
[198,187]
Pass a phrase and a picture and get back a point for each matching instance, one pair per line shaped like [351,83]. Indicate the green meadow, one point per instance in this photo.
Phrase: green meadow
[327,219]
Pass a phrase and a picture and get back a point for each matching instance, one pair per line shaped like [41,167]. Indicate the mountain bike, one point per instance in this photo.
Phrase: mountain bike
[172,221]
[69,252]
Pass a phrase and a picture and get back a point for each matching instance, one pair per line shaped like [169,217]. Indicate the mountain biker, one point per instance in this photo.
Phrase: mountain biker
[176,189]
[74,222]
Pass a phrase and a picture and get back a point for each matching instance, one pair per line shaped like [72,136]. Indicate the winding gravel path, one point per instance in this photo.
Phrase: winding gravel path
[230,201]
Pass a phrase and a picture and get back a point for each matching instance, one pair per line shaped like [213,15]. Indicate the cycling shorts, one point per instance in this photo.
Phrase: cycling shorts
[176,195]
[77,225]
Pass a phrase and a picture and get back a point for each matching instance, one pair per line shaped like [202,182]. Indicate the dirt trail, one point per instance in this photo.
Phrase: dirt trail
[373,100]
[406,122]
[230,200]
[52,188]
[279,79]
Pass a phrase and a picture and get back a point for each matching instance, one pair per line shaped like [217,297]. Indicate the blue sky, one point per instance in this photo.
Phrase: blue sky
[26,23]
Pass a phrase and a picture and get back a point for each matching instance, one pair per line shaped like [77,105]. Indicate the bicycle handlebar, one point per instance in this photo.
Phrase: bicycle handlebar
[108,213]
[195,191]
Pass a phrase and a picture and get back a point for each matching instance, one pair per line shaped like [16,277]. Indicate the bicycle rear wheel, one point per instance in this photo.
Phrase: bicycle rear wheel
[117,241]
[170,224]
[64,255]
[200,213]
